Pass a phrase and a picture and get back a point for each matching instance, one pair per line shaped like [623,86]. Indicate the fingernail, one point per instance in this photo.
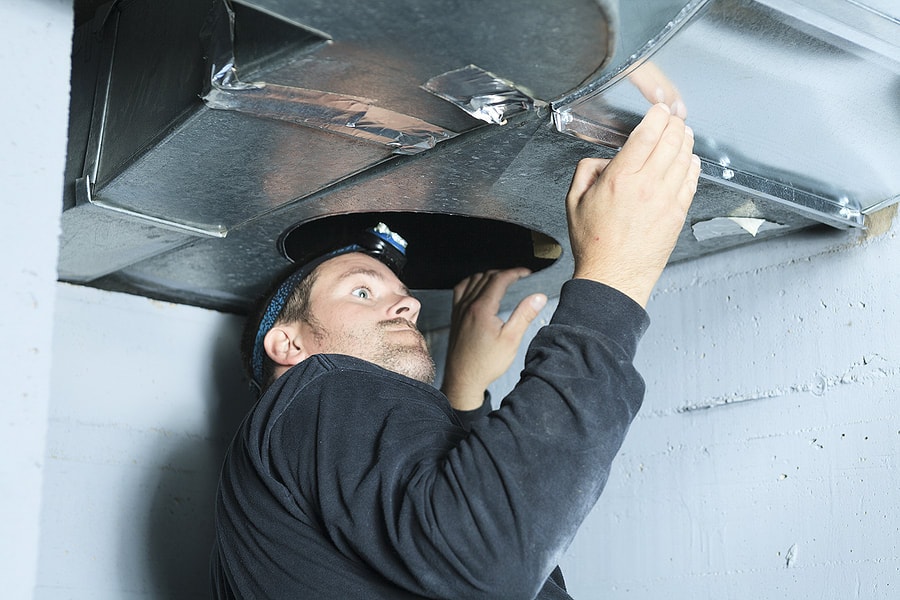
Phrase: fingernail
[665,107]
[679,108]
[688,130]
[538,302]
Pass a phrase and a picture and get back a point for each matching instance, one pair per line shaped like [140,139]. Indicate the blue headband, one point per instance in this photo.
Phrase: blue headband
[379,242]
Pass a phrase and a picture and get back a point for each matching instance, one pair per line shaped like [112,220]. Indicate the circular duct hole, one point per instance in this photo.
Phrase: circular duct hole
[443,249]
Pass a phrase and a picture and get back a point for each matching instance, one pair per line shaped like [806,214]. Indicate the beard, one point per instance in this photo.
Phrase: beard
[384,343]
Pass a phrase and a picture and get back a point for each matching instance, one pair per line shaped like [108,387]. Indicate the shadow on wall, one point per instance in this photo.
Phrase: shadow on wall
[180,523]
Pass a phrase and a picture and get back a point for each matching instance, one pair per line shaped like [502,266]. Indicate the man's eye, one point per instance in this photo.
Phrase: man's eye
[361,293]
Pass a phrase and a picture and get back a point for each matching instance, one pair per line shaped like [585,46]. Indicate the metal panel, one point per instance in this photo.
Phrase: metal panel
[782,108]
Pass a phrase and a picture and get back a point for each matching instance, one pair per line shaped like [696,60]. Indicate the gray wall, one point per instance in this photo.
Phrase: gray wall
[144,397]
[764,463]
[35,38]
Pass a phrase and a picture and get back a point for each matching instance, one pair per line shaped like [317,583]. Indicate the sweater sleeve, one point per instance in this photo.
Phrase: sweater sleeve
[470,417]
[395,481]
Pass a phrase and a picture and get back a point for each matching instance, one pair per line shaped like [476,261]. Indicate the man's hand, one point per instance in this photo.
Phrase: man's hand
[625,214]
[482,346]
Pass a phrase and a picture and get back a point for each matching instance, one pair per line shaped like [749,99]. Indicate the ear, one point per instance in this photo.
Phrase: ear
[283,345]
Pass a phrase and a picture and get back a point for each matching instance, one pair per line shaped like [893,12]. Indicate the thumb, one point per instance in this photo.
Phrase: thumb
[523,315]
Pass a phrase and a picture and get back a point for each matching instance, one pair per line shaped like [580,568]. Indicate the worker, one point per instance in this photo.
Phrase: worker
[353,477]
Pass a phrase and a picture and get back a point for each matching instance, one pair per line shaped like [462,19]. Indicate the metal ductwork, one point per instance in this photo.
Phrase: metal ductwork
[209,137]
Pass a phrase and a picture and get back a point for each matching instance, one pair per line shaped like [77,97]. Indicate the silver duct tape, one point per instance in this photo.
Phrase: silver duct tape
[347,115]
[480,93]
[218,40]
[720,227]
[226,79]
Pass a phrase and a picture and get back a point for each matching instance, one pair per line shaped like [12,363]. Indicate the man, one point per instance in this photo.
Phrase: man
[353,477]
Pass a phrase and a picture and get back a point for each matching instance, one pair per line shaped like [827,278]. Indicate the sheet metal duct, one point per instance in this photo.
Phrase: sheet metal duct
[202,133]
[794,101]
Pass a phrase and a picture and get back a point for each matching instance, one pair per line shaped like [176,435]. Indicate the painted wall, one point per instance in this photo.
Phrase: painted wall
[763,465]
[765,462]
[145,396]
[34,60]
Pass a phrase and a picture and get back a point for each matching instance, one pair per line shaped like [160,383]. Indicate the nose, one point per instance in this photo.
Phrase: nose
[407,307]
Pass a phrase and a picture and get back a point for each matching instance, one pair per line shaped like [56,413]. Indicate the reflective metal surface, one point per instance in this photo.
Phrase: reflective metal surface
[320,109]
[481,94]
[782,108]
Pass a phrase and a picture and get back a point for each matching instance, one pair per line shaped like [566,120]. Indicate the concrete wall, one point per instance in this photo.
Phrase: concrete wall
[35,38]
[763,465]
[145,396]
[766,460]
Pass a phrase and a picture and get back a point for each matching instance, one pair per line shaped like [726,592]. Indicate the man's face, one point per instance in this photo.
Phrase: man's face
[358,307]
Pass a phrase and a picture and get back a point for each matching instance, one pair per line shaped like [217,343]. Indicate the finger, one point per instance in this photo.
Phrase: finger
[477,286]
[497,284]
[689,187]
[664,155]
[459,290]
[472,291]
[586,174]
[470,287]
[681,164]
[643,139]
[474,284]
[526,311]
[653,84]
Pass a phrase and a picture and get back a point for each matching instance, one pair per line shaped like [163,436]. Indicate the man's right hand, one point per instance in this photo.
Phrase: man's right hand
[625,214]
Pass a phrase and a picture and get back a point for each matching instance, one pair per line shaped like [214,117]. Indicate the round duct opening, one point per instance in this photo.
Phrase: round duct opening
[442,249]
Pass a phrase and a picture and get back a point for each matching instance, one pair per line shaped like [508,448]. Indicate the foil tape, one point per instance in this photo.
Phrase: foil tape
[480,93]
[346,115]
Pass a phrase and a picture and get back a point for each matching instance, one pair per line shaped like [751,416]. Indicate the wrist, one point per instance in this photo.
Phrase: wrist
[639,293]
[464,397]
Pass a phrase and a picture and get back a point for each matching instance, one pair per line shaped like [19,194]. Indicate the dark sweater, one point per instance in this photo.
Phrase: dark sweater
[349,481]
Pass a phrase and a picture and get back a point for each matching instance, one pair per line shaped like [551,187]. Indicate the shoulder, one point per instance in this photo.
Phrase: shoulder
[332,405]
[335,382]
[340,370]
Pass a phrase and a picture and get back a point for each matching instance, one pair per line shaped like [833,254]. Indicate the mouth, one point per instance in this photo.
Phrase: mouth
[399,324]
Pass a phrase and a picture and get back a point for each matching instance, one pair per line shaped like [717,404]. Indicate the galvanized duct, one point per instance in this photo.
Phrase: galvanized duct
[202,132]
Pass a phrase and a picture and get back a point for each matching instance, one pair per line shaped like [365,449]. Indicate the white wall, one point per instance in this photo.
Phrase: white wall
[145,396]
[791,345]
[111,453]
[766,460]
[35,38]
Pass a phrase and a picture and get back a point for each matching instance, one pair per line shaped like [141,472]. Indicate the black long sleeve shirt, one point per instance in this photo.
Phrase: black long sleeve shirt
[349,481]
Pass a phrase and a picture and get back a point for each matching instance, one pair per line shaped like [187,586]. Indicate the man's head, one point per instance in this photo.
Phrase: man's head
[348,301]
